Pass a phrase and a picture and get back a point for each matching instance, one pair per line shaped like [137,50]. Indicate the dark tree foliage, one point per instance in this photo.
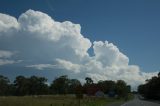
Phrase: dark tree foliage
[107,86]
[30,86]
[37,85]
[4,85]
[121,88]
[79,92]
[22,86]
[89,87]
[151,89]
[89,81]
[73,84]
[129,88]
[62,85]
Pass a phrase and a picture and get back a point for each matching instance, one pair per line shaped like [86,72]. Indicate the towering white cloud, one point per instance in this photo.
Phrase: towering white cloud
[109,54]
[66,33]
[7,24]
[44,43]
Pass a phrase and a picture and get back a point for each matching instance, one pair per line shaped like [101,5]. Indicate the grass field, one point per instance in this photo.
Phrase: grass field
[55,101]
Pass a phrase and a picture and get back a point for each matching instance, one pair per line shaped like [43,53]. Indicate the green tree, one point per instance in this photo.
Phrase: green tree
[79,92]
[21,84]
[72,85]
[151,89]
[37,85]
[159,74]
[4,85]
[88,80]
[129,88]
[107,85]
[60,85]
[121,88]
[87,85]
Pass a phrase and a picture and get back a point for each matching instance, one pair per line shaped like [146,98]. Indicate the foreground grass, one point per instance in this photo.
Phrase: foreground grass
[50,101]
[55,101]
[121,101]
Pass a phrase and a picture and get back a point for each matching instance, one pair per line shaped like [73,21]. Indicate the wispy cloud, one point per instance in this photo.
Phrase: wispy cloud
[41,66]
[5,61]
[5,58]
[5,54]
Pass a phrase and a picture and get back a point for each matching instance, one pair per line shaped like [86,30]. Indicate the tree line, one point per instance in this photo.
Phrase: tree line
[35,85]
[151,89]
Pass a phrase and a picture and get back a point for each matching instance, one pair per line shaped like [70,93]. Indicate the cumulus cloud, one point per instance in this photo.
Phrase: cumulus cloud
[66,34]
[8,24]
[109,54]
[44,43]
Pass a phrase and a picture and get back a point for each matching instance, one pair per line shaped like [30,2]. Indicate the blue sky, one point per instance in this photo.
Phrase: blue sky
[131,25]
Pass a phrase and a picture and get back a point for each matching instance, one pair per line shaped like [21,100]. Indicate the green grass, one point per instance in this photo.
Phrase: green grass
[131,96]
[120,101]
[59,100]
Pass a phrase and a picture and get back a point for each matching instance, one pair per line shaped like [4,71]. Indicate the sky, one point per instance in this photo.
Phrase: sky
[102,39]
